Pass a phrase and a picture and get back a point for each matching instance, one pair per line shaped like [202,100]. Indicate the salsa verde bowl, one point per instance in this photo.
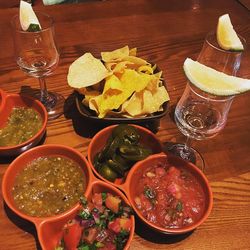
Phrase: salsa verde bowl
[107,151]
[11,102]
[50,227]
[168,194]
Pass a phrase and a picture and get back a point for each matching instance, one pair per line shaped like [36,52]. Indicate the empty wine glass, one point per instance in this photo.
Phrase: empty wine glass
[37,55]
[200,115]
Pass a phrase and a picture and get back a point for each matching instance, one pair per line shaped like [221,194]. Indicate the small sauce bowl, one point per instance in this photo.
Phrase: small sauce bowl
[7,103]
[50,231]
[98,142]
[49,228]
[130,188]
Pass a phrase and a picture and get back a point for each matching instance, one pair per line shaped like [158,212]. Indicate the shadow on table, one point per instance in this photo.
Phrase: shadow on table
[88,127]
[22,224]
[150,235]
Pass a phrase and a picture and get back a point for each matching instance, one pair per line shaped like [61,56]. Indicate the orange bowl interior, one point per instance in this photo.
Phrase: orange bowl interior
[98,142]
[50,231]
[136,173]
[20,162]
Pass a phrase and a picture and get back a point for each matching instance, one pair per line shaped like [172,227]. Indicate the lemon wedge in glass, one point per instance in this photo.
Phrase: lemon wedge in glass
[28,18]
[226,35]
[213,81]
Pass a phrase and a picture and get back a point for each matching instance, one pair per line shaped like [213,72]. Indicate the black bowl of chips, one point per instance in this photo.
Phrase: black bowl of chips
[118,88]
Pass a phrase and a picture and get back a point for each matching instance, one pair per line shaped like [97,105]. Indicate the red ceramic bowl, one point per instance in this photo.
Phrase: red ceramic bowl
[50,231]
[7,103]
[98,142]
[131,185]
[50,228]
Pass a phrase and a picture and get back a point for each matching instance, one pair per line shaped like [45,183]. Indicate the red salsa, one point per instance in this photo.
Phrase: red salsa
[170,197]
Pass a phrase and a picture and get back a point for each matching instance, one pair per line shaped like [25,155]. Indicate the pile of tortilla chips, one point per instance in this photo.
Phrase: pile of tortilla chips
[120,84]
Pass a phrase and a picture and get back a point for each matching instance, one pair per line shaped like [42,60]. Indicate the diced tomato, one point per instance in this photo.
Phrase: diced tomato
[113,203]
[97,199]
[114,226]
[120,223]
[72,232]
[125,223]
[160,171]
[174,173]
[89,235]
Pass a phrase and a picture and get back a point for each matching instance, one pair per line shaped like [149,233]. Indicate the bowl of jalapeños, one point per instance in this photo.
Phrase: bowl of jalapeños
[114,150]
[22,124]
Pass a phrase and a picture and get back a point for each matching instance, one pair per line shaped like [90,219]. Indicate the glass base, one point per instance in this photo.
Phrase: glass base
[54,104]
[193,155]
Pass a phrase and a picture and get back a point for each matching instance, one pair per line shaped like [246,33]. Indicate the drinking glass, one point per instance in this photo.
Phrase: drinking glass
[200,115]
[37,55]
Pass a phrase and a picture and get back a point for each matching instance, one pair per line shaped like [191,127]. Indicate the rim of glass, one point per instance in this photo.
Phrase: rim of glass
[213,34]
[49,26]
[208,96]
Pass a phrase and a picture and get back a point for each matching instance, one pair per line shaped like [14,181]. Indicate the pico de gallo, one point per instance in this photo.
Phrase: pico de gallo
[104,223]
[170,197]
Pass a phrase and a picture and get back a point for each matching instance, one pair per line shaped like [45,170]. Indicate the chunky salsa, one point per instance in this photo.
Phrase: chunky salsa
[48,186]
[104,223]
[23,123]
[170,197]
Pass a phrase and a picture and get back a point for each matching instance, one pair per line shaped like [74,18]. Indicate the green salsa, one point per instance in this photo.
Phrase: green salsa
[48,186]
[23,123]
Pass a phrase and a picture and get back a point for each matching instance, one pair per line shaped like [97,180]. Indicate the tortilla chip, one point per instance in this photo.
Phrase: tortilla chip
[117,91]
[144,102]
[86,71]
[115,55]
[133,52]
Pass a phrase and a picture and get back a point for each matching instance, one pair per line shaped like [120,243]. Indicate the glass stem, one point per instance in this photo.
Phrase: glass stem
[185,152]
[43,89]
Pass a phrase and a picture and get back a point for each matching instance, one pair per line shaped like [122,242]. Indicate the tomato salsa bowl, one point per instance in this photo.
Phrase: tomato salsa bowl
[168,194]
[22,124]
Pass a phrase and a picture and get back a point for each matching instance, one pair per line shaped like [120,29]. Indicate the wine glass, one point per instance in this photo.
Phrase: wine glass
[37,55]
[200,115]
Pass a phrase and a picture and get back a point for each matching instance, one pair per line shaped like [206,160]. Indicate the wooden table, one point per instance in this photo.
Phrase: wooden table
[165,32]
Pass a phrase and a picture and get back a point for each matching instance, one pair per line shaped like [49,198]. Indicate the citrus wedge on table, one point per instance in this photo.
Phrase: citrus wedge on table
[28,18]
[226,35]
[213,81]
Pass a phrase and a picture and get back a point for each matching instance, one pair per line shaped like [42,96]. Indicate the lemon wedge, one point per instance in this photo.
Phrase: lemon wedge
[226,36]
[28,18]
[213,81]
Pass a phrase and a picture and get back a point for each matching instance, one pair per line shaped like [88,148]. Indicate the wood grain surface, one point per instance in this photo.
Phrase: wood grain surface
[165,32]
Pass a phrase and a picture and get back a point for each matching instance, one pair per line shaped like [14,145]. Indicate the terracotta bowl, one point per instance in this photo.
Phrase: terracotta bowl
[7,103]
[50,231]
[50,228]
[98,142]
[135,174]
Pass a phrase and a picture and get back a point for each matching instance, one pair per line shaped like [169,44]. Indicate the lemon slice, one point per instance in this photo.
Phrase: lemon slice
[213,81]
[226,36]
[28,18]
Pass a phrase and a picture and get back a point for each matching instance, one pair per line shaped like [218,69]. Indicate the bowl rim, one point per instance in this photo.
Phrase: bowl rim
[202,179]
[104,131]
[35,219]
[41,130]
[86,112]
